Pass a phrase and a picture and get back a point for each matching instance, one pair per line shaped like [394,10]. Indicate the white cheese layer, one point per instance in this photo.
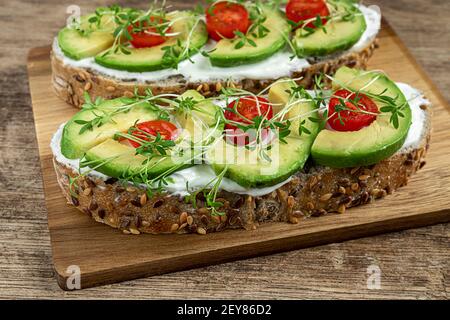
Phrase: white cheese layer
[415,99]
[200,175]
[200,69]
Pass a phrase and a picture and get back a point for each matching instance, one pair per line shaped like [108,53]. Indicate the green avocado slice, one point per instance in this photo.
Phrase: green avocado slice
[373,143]
[115,159]
[202,124]
[78,45]
[225,53]
[186,26]
[248,169]
[340,34]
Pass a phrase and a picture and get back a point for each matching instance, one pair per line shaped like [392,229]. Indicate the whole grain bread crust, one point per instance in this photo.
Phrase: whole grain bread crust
[312,192]
[70,83]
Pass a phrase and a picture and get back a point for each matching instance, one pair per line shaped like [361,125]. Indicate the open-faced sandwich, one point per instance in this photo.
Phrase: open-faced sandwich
[171,163]
[246,45]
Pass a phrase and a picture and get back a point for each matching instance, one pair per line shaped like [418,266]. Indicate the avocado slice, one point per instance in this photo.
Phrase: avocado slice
[226,55]
[340,35]
[373,143]
[118,160]
[78,46]
[74,144]
[202,124]
[249,170]
[151,59]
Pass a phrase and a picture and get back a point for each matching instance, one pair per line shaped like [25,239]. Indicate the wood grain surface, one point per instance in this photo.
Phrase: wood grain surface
[414,263]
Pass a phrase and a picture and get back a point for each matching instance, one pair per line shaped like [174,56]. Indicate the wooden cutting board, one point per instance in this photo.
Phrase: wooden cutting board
[105,255]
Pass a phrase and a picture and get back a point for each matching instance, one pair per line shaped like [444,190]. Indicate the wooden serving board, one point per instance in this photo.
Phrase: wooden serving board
[105,255]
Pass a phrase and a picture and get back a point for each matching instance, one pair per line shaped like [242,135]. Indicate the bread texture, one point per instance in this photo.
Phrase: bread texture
[70,83]
[312,192]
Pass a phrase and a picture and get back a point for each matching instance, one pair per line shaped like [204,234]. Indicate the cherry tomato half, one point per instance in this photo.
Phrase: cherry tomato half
[302,10]
[166,129]
[352,120]
[245,110]
[149,37]
[224,18]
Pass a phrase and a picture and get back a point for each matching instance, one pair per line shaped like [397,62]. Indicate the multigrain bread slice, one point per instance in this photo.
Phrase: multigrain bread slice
[70,83]
[312,192]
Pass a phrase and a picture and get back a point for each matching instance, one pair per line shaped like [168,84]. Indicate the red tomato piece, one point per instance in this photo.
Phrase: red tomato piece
[149,37]
[302,10]
[363,115]
[166,129]
[224,18]
[245,110]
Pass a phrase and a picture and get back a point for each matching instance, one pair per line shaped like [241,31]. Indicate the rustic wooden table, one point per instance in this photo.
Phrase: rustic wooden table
[414,264]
